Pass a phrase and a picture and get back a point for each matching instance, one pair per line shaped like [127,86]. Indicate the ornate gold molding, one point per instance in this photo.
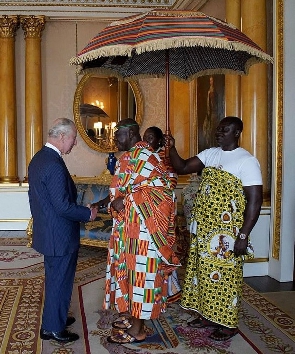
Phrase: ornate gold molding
[29,232]
[9,180]
[96,3]
[104,178]
[257,260]
[183,179]
[105,10]
[94,243]
[32,26]
[278,147]
[14,220]
[8,26]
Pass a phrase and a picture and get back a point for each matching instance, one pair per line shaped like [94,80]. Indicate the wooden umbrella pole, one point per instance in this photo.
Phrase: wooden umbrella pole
[167,132]
[167,92]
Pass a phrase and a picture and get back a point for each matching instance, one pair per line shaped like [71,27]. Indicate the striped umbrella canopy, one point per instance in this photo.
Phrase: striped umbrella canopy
[90,110]
[178,44]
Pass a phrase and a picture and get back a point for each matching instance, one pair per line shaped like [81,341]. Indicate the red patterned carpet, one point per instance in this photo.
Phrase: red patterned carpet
[264,328]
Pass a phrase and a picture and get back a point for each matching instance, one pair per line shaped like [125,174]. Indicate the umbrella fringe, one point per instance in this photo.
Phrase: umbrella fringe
[161,44]
[110,51]
[171,43]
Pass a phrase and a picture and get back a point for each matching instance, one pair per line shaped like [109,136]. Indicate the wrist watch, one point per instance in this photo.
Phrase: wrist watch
[242,236]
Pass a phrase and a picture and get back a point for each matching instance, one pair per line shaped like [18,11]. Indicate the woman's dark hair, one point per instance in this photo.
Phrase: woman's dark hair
[158,134]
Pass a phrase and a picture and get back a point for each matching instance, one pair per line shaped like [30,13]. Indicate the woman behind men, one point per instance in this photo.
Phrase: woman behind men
[140,256]
[155,138]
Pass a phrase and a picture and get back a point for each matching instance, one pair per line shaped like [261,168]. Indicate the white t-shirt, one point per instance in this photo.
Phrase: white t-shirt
[238,162]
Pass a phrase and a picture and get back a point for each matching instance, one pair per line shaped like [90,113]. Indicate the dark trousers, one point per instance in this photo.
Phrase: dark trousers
[59,280]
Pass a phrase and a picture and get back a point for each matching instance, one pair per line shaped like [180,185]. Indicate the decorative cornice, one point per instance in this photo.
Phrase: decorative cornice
[8,26]
[93,3]
[32,26]
[105,10]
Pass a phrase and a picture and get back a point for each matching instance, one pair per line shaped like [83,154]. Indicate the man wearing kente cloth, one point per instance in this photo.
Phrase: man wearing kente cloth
[226,208]
[140,255]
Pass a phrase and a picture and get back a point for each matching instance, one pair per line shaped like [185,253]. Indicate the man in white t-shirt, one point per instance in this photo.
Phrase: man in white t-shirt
[226,208]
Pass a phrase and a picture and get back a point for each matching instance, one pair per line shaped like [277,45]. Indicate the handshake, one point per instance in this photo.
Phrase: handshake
[93,212]
[116,206]
[94,207]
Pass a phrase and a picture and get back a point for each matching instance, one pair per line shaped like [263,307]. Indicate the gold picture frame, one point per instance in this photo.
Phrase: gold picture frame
[78,98]
[278,126]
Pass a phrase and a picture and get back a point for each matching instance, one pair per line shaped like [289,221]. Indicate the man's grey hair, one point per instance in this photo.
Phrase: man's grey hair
[61,126]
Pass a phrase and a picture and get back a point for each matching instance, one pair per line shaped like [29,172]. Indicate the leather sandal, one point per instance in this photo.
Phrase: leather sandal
[123,338]
[223,333]
[122,323]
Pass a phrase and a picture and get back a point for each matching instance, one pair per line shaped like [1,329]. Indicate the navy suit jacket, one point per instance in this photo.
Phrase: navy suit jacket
[52,197]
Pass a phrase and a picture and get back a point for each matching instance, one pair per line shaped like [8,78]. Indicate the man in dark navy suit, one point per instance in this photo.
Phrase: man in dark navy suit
[56,218]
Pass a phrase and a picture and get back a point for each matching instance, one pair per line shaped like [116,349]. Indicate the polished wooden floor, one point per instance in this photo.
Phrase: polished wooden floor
[267,284]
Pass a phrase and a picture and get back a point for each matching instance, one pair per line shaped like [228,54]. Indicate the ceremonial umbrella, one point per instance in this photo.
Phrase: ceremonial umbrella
[179,44]
[89,111]
[92,111]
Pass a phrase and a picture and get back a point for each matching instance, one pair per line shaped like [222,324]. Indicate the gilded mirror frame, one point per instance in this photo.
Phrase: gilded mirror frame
[77,101]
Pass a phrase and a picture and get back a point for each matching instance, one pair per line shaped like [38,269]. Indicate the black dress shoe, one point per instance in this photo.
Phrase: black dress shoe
[63,336]
[70,321]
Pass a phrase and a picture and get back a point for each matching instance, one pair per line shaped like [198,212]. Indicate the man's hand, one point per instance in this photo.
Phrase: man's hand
[103,203]
[93,213]
[169,141]
[118,204]
[240,246]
